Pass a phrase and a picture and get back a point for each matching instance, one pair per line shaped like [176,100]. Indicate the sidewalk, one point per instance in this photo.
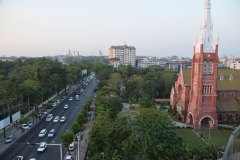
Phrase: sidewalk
[12,129]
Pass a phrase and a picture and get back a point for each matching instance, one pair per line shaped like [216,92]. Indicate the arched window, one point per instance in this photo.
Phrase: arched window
[232,94]
[210,67]
[204,67]
[222,94]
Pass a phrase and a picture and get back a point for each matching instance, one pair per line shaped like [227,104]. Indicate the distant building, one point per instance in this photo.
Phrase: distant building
[115,62]
[126,54]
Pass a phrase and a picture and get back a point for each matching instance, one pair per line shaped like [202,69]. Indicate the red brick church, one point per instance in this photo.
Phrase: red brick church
[204,94]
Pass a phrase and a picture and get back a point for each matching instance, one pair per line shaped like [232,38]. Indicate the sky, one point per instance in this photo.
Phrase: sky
[159,28]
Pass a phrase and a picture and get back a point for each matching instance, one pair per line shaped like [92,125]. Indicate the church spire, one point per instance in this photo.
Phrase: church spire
[206,30]
[217,38]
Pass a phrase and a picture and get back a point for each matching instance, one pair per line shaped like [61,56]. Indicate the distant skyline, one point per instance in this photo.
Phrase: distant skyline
[156,28]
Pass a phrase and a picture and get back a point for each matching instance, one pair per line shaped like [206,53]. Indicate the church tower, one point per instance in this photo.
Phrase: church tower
[203,95]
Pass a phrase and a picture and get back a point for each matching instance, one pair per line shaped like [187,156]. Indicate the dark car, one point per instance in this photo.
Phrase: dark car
[10,138]
[75,92]
[79,136]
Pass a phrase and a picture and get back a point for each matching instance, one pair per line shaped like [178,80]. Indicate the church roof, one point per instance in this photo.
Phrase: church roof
[227,105]
[225,84]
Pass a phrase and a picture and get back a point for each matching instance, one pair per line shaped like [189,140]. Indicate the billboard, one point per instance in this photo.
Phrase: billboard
[5,122]
[16,116]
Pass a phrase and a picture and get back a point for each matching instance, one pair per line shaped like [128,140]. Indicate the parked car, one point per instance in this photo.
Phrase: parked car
[63,119]
[43,111]
[29,123]
[70,98]
[25,126]
[49,117]
[18,158]
[10,138]
[54,104]
[42,147]
[42,133]
[79,136]
[71,146]
[56,119]
[89,113]
[69,157]
[39,114]
[52,133]
[65,106]
[57,101]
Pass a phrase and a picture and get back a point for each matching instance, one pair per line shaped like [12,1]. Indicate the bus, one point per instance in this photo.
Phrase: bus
[77,98]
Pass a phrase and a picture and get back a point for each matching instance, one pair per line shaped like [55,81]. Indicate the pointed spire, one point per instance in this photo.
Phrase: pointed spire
[195,38]
[217,38]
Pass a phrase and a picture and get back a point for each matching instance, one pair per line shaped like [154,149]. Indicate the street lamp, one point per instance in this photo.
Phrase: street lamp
[78,146]
[210,126]
[103,155]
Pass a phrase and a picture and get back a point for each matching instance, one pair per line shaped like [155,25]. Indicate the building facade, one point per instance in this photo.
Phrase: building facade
[204,95]
[126,54]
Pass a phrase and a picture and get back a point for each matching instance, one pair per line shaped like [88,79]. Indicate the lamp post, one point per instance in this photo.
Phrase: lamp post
[78,146]
[210,126]
[103,155]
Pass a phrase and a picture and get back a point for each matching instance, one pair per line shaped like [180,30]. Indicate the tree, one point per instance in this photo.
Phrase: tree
[115,81]
[147,101]
[34,115]
[80,119]
[23,121]
[66,139]
[75,128]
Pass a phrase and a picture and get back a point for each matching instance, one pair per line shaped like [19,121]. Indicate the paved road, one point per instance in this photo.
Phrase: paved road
[20,147]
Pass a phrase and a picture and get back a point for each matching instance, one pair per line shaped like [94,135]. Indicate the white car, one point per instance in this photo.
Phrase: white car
[65,106]
[63,119]
[49,117]
[71,146]
[42,147]
[25,126]
[54,104]
[44,112]
[57,101]
[69,157]
[42,133]
[56,119]
[18,158]
[29,123]
[52,133]
[70,98]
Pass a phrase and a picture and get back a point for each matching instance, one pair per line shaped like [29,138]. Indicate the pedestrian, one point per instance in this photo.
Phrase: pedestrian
[85,141]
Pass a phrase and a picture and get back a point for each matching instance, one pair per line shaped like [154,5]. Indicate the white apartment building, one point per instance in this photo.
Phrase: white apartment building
[126,54]
[146,63]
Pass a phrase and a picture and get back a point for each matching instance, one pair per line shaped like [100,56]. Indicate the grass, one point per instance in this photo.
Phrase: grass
[219,137]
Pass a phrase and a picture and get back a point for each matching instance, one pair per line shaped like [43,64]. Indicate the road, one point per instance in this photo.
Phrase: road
[20,147]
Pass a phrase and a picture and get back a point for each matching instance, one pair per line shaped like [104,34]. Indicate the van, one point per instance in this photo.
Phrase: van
[71,146]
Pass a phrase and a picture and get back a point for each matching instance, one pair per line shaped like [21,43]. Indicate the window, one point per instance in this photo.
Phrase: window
[232,94]
[196,68]
[222,94]
[207,89]
[231,77]
[210,67]
[204,67]
[221,77]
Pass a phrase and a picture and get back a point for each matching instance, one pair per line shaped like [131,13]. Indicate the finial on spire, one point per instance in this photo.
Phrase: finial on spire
[195,38]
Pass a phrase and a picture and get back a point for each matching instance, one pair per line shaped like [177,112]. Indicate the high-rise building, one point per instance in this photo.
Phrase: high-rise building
[126,54]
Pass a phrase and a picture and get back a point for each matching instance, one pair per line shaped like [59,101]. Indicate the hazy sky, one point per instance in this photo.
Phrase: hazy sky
[155,27]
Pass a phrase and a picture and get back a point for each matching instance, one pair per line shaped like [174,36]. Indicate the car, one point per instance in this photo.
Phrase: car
[75,92]
[42,147]
[44,112]
[57,101]
[54,104]
[69,157]
[63,119]
[25,126]
[52,133]
[32,159]
[39,114]
[10,138]
[89,113]
[71,146]
[81,90]
[70,98]
[56,119]
[65,106]
[49,117]
[18,158]
[29,123]
[42,133]
[79,135]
